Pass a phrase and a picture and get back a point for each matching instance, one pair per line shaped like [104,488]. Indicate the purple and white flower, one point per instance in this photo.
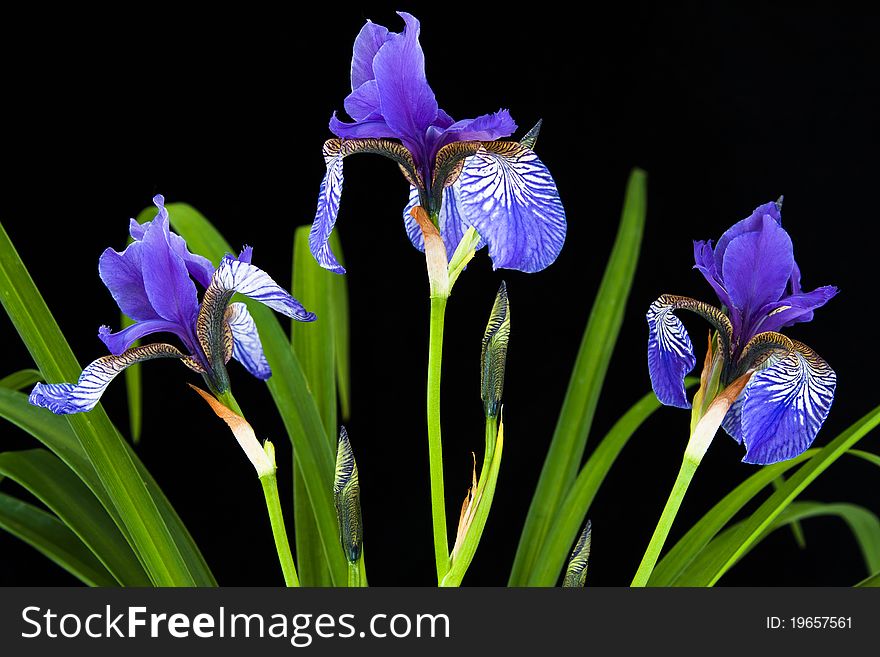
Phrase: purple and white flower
[753,272]
[153,281]
[457,170]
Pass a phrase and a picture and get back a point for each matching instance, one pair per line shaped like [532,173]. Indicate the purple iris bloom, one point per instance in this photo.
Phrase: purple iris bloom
[753,272]
[457,170]
[154,282]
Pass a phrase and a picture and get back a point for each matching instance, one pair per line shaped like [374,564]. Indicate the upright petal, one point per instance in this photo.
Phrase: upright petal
[123,275]
[366,45]
[704,262]
[451,224]
[372,127]
[67,398]
[246,346]
[785,404]
[750,224]
[170,289]
[407,102]
[509,196]
[670,353]
[363,102]
[756,269]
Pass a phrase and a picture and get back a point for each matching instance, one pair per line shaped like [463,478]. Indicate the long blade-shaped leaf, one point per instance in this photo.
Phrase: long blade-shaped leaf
[316,346]
[570,517]
[134,391]
[751,529]
[21,379]
[863,524]
[701,534]
[53,483]
[108,453]
[567,447]
[289,390]
[47,534]
[55,433]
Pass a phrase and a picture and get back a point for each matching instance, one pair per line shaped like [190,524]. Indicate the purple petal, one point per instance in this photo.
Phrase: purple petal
[512,201]
[199,268]
[756,268]
[236,276]
[732,422]
[704,259]
[407,102]
[366,45]
[452,227]
[325,217]
[67,398]
[246,346]
[785,405]
[363,102]
[670,355]
[122,273]
[752,223]
[791,310]
[367,129]
[488,127]
[122,340]
[169,288]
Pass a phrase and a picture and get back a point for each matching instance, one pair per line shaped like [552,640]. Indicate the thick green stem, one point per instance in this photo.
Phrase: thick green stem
[276,517]
[649,560]
[435,447]
[354,574]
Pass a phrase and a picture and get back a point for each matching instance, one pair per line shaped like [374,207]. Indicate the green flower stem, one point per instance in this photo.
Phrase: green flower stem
[491,437]
[679,488]
[435,447]
[354,574]
[282,545]
[273,505]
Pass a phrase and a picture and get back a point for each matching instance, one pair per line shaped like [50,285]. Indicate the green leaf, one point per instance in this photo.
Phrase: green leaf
[797,531]
[700,535]
[569,439]
[751,529]
[21,379]
[570,516]
[134,391]
[48,479]
[108,453]
[873,580]
[55,433]
[289,390]
[866,456]
[864,525]
[47,534]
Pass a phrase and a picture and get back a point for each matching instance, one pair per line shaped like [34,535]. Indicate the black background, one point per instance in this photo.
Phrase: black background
[726,107]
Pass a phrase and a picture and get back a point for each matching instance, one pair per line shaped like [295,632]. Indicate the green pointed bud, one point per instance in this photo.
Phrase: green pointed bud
[576,573]
[531,137]
[347,492]
[494,356]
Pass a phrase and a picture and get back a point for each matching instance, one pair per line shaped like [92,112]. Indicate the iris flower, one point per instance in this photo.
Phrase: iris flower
[457,170]
[154,282]
[752,270]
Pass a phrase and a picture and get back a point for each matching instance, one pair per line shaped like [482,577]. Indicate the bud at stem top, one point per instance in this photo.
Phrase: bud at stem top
[347,493]
[494,355]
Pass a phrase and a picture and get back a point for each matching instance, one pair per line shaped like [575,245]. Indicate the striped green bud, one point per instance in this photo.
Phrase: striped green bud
[494,356]
[347,493]
[576,573]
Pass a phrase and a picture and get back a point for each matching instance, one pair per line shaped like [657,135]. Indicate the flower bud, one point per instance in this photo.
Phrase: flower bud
[347,493]
[494,356]
[576,573]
